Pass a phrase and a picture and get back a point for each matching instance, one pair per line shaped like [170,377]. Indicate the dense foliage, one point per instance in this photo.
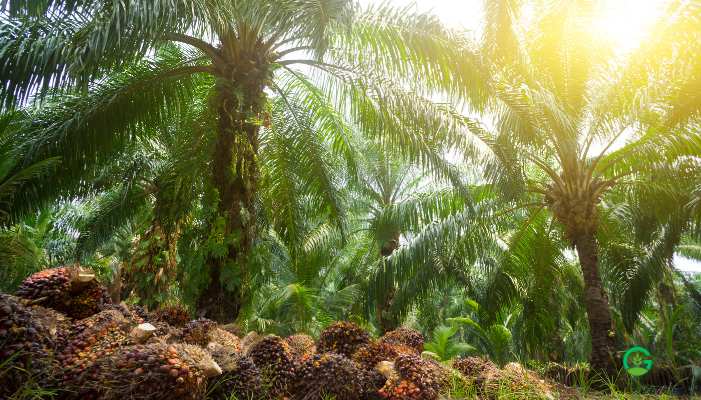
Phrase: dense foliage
[278,166]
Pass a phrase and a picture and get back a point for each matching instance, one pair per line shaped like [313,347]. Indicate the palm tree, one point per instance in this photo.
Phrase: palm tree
[559,110]
[386,188]
[238,55]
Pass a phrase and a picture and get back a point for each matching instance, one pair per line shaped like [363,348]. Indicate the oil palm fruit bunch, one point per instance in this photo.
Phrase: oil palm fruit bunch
[70,290]
[302,346]
[376,351]
[203,331]
[472,367]
[197,331]
[273,358]
[372,381]
[174,315]
[149,372]
[415,379]
[91,339]
[225,338]
[240,378]
[328,375]
[28,340]
[343,338]
[405,337]
[132,312]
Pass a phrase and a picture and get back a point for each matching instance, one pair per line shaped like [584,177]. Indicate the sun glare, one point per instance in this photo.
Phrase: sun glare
[626,22]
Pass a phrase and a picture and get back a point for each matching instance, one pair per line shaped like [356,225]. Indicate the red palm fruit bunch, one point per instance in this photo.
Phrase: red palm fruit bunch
[415,379]
[71,290]
[302,346]
[28,340]
[241,379]
[329,375]
[343,338]
[372,353]
[273,358]
[405,337]
[149,372]
[90,339]
[174,315]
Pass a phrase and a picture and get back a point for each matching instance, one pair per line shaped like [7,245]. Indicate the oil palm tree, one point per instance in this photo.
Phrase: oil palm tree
[235,54]
[567,134]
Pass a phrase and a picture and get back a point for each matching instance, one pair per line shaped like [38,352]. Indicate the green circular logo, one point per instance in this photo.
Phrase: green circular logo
[637,361]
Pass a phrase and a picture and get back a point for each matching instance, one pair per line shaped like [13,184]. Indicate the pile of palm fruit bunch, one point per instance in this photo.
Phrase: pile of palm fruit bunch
[98,350]
[72,291]
[29,338]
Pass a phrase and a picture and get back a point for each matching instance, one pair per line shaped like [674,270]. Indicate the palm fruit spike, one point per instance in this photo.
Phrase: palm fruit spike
[225,339]
[154,372]
[197,331]
[175,315]
[70,290]
[302,346]
[249,340]
[274,359]
[240,378]
[28,338]
[406,337]
[329,375]
[344,338]
[369,355]
[415,379]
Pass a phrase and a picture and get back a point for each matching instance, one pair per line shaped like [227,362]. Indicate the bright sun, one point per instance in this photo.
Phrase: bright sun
[626,22]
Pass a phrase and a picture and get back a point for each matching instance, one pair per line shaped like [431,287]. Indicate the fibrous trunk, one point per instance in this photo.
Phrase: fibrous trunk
[234,171]
[597,305]
[385,321]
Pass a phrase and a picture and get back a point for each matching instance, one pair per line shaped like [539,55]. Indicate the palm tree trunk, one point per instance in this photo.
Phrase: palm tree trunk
[235,174]
[597,305]
[385,321]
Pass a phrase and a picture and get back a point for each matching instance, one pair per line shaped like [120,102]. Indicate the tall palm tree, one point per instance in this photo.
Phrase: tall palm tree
[560,110]
[238,55]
